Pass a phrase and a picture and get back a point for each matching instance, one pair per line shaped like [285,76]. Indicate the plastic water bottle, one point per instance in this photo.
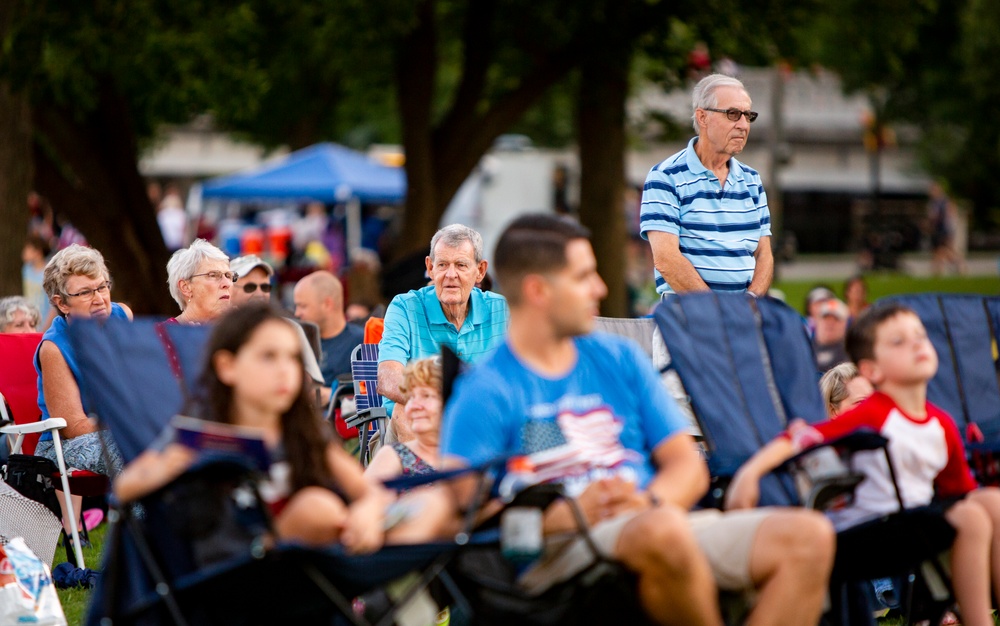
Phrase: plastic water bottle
[521,534]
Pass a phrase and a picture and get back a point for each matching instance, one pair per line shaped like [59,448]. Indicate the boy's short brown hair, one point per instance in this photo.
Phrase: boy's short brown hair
[861,334]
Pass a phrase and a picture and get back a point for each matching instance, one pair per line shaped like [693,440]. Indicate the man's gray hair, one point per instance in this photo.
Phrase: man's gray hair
[73,260]
[455,235]
[704,96]
[184,263]
[11,305]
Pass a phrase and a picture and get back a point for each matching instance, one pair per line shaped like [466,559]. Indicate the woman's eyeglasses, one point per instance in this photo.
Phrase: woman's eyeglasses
[89,293]
[733,114]
[252,287]
[217,276]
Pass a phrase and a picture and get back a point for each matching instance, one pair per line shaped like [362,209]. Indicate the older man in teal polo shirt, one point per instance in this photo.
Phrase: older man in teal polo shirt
[451,311]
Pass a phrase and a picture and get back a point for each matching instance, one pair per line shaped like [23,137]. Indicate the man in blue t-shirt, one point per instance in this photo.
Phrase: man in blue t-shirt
[587,410]
[319,298]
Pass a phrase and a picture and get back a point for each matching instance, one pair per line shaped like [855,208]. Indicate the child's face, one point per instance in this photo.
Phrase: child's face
[903,353]
[266,372]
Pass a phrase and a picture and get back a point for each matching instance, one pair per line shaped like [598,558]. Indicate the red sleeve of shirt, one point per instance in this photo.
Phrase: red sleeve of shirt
[870,415]
[956,477]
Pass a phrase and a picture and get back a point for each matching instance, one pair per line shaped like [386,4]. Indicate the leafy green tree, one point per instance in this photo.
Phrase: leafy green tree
[99,79]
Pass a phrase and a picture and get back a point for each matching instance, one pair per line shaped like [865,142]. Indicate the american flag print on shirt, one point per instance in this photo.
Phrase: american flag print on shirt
[575,449]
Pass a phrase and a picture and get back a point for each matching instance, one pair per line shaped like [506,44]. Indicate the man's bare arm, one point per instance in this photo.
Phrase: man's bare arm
[390,376]
[681,473]
[763,272]
[674,266]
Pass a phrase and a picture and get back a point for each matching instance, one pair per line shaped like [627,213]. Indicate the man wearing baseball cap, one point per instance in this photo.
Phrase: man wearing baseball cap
[254,285]
[831,331]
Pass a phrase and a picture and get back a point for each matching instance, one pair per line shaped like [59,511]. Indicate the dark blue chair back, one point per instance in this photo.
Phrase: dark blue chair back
[963,331]
[127,374]
[747,374]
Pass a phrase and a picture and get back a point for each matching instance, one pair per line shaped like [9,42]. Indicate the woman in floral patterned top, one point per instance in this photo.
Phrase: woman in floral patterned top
[421,387]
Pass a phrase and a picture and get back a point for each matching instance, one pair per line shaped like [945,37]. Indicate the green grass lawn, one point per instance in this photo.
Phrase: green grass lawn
[887,284]
[74,601]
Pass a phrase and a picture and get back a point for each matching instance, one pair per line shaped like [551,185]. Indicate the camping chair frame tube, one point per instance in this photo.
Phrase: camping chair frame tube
[53,424]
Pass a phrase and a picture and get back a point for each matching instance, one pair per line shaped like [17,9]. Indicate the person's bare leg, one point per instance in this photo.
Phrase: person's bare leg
[675,580]
[970,562]
[314,516]
[428,516]
[989,499]
[77,505]
[790,566]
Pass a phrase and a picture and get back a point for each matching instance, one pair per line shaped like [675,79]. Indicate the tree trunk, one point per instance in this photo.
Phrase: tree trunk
[416,65]
[15,183]
[440,155]
[88,168]
[601,131]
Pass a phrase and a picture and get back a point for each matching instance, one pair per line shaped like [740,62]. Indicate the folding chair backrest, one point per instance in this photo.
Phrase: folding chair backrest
[364,370]
[711,367]
[963,330]
[792,361]
[638,329]
[19,381]
[128,379]
[312,334]
[717,347]
[374,326]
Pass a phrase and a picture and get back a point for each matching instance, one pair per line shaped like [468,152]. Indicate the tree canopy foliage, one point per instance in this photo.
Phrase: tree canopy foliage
[444,78]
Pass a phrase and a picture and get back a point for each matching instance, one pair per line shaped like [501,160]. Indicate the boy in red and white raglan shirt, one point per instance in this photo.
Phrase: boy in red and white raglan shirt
[890,347]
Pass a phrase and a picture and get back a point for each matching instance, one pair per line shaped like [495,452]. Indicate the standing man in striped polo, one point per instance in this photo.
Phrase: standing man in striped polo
[704,213]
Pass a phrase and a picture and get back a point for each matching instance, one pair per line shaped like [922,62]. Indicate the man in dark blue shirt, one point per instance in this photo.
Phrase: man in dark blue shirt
[319,298]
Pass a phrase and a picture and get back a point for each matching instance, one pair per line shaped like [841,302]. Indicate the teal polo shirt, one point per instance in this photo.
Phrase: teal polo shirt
[416,328]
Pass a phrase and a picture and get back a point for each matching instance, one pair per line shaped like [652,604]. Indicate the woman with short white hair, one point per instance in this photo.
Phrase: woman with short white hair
[78,285]
[18,315]
[201,282]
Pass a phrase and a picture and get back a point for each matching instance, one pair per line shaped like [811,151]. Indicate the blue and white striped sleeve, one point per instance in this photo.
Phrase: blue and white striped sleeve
[660,209]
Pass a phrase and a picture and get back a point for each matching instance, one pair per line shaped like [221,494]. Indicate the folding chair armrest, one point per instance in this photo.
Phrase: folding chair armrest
[364,416]
[53,423]
[858,441]
[418,480]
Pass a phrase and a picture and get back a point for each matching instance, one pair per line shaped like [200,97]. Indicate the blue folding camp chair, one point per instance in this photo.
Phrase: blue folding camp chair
[370,416]
[748,367]
[963,330]
[136,376]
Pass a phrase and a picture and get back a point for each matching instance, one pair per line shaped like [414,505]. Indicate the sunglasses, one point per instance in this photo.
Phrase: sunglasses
[252,287]
[733,114]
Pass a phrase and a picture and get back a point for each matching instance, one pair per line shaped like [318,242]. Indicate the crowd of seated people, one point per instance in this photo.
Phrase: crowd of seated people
[538,379]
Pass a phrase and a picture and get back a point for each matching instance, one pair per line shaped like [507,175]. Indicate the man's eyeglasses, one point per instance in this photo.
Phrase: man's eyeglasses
[89,293]
[217,276]
[252,287]
[733,114]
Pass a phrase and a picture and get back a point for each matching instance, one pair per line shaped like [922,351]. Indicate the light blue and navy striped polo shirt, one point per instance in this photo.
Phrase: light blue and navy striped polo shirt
[416,328]
[718,228]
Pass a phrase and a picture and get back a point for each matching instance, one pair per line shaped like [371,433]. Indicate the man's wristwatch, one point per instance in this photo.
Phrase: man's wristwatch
[752,294]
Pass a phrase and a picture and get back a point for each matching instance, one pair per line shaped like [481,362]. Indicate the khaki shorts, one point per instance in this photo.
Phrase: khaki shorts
[725,538]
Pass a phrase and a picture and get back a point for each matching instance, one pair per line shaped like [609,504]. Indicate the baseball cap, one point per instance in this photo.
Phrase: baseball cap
[833,307]
[817,294]
[245,264]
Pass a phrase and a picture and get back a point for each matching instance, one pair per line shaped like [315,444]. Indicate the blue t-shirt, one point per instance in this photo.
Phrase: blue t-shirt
[58,333]
[604,417]
[337,353]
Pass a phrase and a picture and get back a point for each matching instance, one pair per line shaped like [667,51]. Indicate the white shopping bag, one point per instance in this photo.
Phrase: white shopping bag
[27,595]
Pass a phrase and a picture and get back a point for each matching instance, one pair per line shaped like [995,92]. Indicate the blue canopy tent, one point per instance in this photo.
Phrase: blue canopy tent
[325,172]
